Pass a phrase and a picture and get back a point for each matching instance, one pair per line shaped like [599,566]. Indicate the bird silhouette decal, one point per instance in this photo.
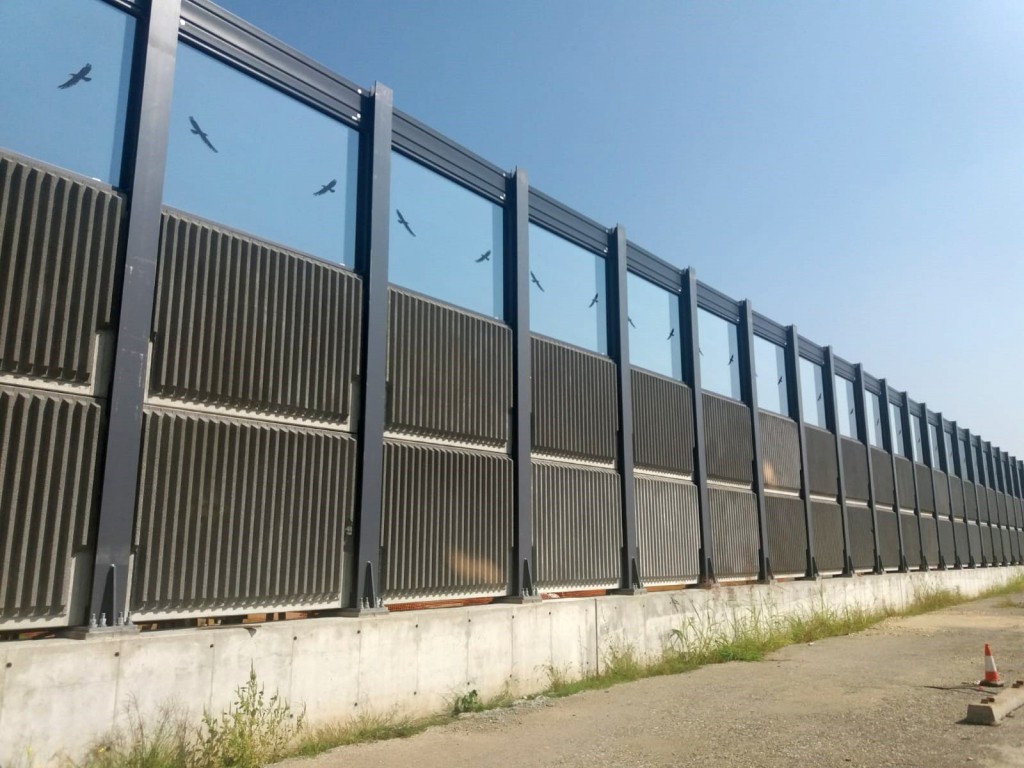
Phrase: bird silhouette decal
[780,380]
[819,397]
[851,410]
[630,320]
[670,334]
[731,358]
[328,187]
[200,133]
[74,78]
[593,301]
[535,281]
[404,223]
[485,256]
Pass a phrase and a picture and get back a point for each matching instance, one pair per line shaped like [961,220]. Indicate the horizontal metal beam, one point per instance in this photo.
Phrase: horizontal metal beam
[717,303]
[567,223]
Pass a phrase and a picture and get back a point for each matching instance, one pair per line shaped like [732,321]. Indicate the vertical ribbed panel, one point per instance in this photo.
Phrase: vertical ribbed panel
[243,324]
[905,483]
[668,527]
[662,424]
[449,372]
[930,539]
[941,494]
[889,538]
[946,543]
[821,460]
[240,515]
[993,507]
[1007,551]
[925,497]
[974,542]
[575,402]
[960,538]
[60,240]
[734,526]
[730,450]
[956,497]
[780,451]
[988,543]
[49,459]
[1001,506]
[828,536]
[970,501]
[855,469]
[577,516]
[446,523]
[787,535]
[911,539]
[862,536]
[881,467]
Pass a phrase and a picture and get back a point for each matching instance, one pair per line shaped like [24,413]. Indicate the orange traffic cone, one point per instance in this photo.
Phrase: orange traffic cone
[991,673]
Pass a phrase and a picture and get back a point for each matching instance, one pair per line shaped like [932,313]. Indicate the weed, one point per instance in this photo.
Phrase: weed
[164,745]
[467,702]
[366,728]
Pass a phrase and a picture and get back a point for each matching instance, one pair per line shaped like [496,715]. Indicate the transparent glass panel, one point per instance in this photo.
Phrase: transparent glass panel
[246,156]
[719,355]
[964,469]
[567,292]
[446,241]
[899,443]
[933,440]
[846,409]
[874,419]
[64,88]
[812,393]
[916,444]
[949,443]
[655,342]
[979,463]
[772,387]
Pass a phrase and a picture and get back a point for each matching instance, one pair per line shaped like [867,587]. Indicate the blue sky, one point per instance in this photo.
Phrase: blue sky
[855,168]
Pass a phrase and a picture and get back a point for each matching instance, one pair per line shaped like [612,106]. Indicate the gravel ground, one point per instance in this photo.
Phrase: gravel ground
[890,696]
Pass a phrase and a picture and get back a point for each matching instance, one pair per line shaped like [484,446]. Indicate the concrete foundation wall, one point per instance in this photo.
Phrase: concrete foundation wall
[57,696]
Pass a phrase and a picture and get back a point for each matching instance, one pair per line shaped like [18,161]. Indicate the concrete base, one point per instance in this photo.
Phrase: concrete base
[58,695]
[994,708]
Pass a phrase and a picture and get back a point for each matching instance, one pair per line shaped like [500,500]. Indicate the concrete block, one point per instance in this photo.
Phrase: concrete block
[325,667]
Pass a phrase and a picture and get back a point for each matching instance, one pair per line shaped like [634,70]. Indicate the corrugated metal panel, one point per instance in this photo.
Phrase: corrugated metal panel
[787,535]
[60,243]
[668,527]
[956,497]
[1007,552]
[974,542]
[727,433]
[960,539]
[941,494]
[905,483]
[947,545]
[862,536]
[828,536]
[240,323]
[970,501]
[930,539]
[925,497]
[988,543]
[49,458]
[821,460]
[662,424]
[446,521]
[240,515]
[888,538]
[575,402]
[855,469]
[881,466]
[993,507]
[780,451]
[1001,506]
[734,527]
[578,525]
[911,539]
[449,372]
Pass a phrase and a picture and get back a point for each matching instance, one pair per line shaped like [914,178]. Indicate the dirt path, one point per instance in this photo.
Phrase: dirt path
[890,696]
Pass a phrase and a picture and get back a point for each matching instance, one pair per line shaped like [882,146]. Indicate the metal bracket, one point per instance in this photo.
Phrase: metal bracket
[370,604]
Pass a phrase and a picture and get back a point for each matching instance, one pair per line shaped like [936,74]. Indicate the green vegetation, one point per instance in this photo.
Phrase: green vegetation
[258,729]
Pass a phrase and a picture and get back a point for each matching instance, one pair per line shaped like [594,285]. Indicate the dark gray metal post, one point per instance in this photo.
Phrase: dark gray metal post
[517,314]
[156,54]
[796,412]
[973,473]
[372,263]
[618,346]
[832,423]
[748,381]
[908,443]
[889,444]
[944,453]
[860,404]
[926,449]
[989,479]
[961,472]
[691,358]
